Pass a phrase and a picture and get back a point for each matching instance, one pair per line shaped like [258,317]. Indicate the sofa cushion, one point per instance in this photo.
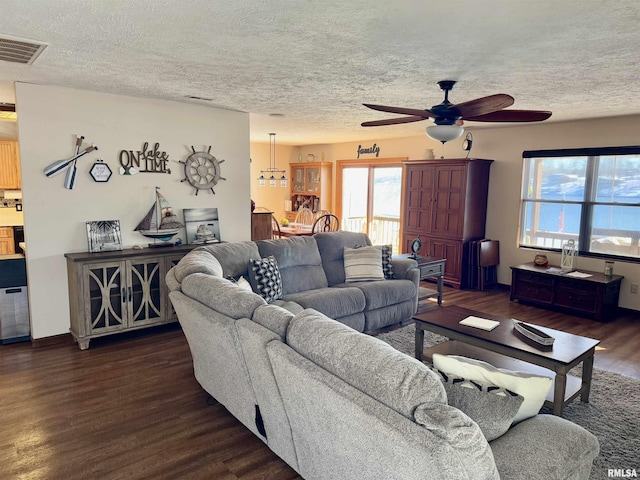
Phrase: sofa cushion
[198,261]
[333,302]
[493,408]
[233,257]
[534,388]
[274,318]
[362,264]
[265,278]
[331,246]
[367,363]
[459,431]
[221,295]
[299,262]
[384,293]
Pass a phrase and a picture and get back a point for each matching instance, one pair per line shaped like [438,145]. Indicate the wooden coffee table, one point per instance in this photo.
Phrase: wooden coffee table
[502,347]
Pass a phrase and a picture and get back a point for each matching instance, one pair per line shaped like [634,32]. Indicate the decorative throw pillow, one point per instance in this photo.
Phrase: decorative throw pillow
[493,408]
[363,264]
[241,282]
[267,281]
[387,264]
[533,388]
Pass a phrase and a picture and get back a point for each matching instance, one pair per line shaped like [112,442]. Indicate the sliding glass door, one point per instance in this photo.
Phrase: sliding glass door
[370,200]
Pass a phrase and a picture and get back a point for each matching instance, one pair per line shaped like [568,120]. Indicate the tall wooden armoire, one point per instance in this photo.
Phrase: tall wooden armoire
[445,203]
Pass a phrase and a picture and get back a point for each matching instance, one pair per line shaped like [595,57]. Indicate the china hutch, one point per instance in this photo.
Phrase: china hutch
[310,186]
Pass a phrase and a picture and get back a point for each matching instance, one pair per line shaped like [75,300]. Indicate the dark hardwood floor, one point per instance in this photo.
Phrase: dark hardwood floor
[130,408]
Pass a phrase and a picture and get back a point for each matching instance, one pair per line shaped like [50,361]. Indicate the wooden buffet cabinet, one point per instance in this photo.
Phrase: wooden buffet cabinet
[310,184]
[114,292]
[595,296]
[261,226]
[445,203]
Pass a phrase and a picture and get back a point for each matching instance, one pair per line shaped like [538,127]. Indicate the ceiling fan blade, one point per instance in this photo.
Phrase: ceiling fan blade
[7,107]
[403,111]
[484,105]
[512,116]
[393,121]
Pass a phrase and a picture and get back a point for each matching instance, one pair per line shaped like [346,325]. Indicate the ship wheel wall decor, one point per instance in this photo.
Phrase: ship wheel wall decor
[202,170]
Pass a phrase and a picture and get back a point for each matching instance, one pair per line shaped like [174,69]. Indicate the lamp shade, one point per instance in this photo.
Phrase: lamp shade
[444,133]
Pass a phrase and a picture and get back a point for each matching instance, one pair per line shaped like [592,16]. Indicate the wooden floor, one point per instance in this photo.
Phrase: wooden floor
[129,407]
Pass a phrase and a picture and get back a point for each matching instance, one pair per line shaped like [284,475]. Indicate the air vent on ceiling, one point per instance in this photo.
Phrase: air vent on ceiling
[20,50]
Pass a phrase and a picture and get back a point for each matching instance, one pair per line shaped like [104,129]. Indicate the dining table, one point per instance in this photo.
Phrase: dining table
[296,229]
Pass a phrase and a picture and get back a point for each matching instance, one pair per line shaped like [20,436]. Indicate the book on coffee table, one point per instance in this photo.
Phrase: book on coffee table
[481,323]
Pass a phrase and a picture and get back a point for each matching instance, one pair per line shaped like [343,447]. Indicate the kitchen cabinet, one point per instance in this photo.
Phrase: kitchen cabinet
[311,185]
[445,203]
[595,296]
[9,165]
[7,244]
[113,292]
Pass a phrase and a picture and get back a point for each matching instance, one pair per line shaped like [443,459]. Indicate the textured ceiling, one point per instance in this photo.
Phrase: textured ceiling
[316,62]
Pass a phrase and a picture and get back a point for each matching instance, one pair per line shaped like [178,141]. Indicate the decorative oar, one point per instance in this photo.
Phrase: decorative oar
[70,164]
[70,177]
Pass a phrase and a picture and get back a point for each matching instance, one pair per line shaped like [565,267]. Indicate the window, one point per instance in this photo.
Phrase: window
[589,195]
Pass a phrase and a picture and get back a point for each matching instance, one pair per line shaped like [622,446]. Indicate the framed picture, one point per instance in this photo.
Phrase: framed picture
[202,225]
[104,235]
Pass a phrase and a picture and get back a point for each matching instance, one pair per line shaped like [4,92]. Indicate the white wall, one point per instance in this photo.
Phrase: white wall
[48,120]
[505,145]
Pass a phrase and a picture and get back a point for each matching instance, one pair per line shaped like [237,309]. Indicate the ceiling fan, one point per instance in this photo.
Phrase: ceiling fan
[448,117]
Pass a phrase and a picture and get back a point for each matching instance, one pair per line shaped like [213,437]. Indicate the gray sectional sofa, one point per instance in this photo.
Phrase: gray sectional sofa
[333,402]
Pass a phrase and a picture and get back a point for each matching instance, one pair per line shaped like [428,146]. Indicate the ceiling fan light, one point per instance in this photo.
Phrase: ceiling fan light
[444,133]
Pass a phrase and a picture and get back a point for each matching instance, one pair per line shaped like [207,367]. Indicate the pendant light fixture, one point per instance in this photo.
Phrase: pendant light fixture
[272,174]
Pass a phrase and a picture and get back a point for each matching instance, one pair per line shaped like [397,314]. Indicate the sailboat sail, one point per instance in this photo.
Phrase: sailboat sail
[159,222]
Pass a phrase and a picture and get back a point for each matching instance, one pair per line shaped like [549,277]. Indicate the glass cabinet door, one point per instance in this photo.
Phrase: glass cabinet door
[106,297]
[312,179]
[144,297]
[297,177]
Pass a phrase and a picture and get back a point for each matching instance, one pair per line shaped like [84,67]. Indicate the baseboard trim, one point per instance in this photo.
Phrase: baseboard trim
[62,339]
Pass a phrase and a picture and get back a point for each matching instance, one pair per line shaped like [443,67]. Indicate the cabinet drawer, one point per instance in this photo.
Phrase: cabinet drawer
[291,216]
[537,278]
[580,287]
[577,299]
[534,292]
[431,270]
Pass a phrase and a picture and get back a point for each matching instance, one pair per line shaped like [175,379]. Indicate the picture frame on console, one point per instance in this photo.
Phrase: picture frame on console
[202,225]
[104,235]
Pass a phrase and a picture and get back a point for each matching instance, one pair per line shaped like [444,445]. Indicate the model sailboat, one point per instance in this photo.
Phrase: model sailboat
[159,223]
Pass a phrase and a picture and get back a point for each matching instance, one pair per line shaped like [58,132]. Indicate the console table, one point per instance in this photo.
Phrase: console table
[430,267]
[595,296]
[123,290]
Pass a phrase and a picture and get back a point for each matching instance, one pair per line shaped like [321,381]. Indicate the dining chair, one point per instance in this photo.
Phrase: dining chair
[320,213]
[275,227]
[304,216]
[326,223]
